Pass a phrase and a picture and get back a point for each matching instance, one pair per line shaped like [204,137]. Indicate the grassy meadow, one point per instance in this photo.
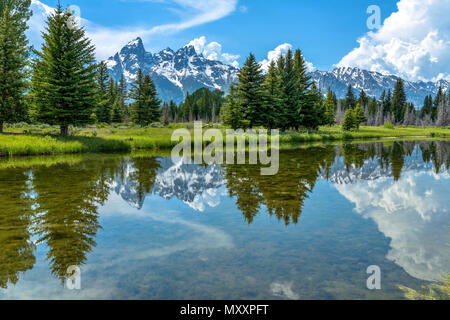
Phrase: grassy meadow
[26,140]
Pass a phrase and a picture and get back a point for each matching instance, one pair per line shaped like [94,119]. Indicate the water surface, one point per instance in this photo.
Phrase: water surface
[143,227]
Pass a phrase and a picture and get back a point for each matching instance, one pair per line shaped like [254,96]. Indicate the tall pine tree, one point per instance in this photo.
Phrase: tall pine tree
[146,107]
[399,101]
[14,53]
[250,91]
[63,83]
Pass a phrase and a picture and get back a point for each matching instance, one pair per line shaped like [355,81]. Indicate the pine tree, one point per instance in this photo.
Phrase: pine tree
[117,112]
[358,116]
[329,108]
[350,100]
[233,110]
[103,110]
[440,96]
[363,99]
[387,103]
[106,113]
[173,111]
[290,77]
[63,83]
[250,90]
[123,96]
[273,100]
[14,53]
[146,107]
[309,100]
[165,114]
[348,123]
[399,101]
[311,112]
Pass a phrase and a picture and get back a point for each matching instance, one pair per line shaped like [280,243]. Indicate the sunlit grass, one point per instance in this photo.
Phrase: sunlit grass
[24,140]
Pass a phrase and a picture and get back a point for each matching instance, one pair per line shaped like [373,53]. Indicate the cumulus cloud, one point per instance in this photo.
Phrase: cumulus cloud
[274,54]
[414,43]
[109,40]
[413,213]
[213,51]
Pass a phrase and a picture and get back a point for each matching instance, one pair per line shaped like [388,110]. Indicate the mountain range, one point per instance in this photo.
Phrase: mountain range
[174,73]
[178,72]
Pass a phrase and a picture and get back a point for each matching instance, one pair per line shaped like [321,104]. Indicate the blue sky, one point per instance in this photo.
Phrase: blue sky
[327,31]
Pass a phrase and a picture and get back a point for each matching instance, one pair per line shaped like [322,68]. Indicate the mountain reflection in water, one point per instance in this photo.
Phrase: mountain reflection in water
[402,186]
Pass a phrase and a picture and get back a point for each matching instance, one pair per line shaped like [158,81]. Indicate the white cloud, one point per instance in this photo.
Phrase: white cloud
[413,42]
[110,40]
[273,55]
[213,51]
[414,218]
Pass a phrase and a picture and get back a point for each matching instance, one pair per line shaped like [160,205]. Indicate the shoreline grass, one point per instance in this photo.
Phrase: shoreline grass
[109,139]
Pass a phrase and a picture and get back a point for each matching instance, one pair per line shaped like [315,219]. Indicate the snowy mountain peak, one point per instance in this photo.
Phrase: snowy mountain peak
[174,73]
[373,83]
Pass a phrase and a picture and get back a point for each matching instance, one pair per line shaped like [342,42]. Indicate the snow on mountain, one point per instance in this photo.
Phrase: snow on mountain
[373,83]
[175,73]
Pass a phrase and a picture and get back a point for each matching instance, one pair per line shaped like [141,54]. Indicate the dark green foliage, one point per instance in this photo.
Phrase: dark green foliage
[348,123]
[330,107]
[63,83]
[399,101]
[203,104]
[250,91]
[233,110]
[359,116]
[14,53]
[427,108]
[146,107]
[350,100]
[103,111]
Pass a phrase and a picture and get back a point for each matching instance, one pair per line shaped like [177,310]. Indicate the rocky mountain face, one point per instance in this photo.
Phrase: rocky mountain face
[373,83]
[175,73]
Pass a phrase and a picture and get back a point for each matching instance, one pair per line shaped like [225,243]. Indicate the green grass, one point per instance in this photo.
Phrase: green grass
[24,140]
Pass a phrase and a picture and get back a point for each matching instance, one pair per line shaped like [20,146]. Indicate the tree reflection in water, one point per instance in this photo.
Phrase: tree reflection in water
[58,203]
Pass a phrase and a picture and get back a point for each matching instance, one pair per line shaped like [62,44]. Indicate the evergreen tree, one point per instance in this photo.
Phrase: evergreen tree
[117,112]
[250,90]
[440,96]
[329,108]
[311,112]
[350,100]
[363,99]
[358,116]
[399,101]
[349,120]
[427,108]
[14,53]
[63,84]
[103,111]
[233,110]
[387,103]
[146,107]
[308,99]
[273,100]
[123,96]
[173,111]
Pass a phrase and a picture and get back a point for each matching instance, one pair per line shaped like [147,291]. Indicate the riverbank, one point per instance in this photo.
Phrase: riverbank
[35,140]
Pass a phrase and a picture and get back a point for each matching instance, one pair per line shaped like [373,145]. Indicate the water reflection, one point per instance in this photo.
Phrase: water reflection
[402,186]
